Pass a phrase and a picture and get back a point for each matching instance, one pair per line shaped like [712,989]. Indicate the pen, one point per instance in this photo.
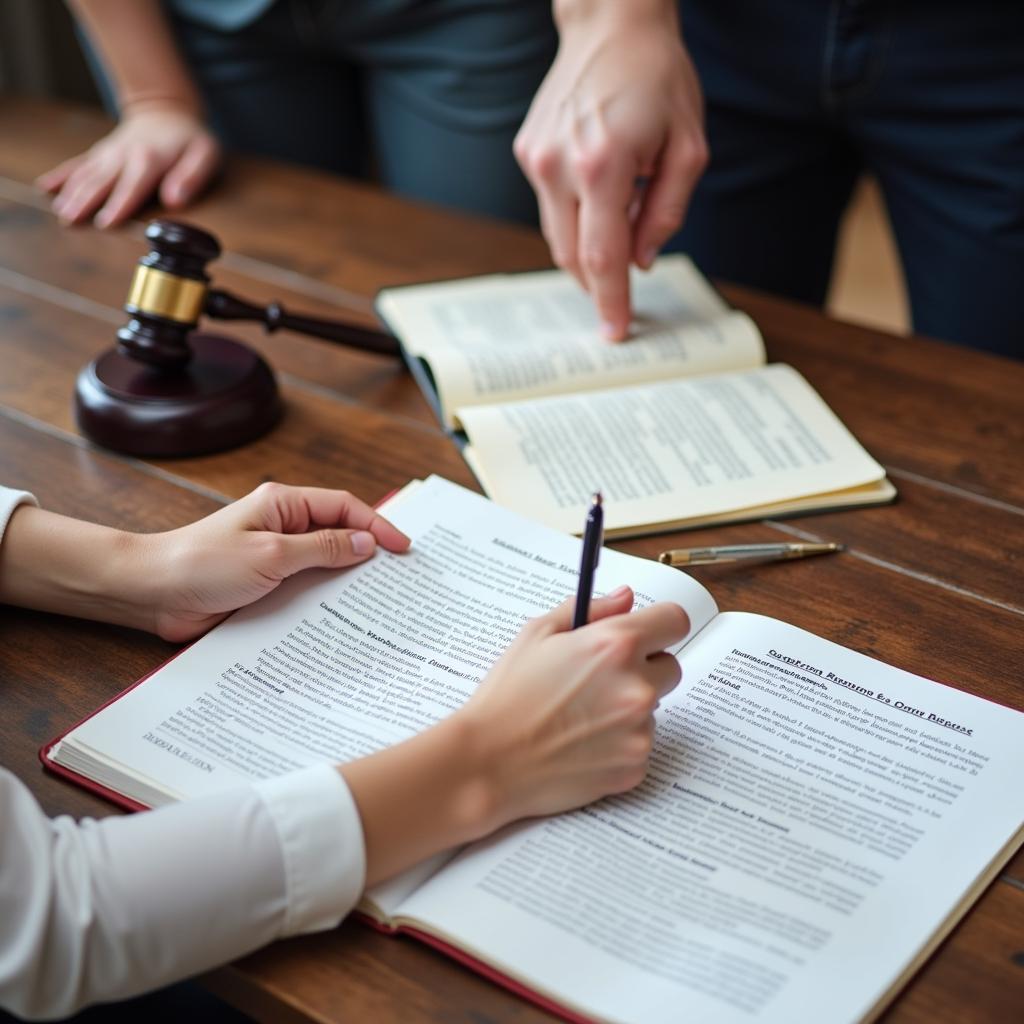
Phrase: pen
[736,552]
[593,534]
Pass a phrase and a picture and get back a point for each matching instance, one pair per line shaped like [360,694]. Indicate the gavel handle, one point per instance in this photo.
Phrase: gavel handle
[224,306]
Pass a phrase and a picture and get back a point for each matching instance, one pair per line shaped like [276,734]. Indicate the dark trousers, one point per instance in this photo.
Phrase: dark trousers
[427,95]
[928,95]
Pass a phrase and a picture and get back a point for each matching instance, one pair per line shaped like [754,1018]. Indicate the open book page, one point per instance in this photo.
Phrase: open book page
[511,336]
[812,821]
[334,665]
[665,453]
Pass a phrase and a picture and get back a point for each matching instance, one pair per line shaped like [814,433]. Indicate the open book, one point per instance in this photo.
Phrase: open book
[813,823]
[682,426]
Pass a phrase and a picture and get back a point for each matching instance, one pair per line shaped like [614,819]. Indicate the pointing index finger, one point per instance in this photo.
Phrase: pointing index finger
[606,242]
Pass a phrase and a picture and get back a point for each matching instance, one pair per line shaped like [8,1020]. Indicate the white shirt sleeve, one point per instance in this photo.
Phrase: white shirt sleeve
[9,501]
[102,910]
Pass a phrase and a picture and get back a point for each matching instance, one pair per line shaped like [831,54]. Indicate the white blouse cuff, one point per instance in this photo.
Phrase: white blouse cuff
[9,501]
[321,836]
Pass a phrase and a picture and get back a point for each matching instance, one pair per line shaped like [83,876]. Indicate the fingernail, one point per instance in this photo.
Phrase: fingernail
[102,219]
[648,258]
[620,591]
[609,331]
[363,542]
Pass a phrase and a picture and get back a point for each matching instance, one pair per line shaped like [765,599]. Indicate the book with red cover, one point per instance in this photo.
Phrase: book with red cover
[807,807]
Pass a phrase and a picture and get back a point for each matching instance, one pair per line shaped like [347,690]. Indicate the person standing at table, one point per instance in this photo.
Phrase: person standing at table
[802,96]
[441,87]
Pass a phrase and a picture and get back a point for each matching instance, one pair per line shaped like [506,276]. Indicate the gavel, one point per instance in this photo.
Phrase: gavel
[168,389]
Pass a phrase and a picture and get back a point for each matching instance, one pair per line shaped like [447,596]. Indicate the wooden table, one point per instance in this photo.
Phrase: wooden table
[932,584]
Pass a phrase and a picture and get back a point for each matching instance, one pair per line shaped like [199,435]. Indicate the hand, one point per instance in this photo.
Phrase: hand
[567,715]
[161,146]
[620,106]
[564,717]
[236,555]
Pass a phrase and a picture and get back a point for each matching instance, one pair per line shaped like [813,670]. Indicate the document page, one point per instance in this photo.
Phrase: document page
[335,665]
[514,336]
[664,453]
[812,819]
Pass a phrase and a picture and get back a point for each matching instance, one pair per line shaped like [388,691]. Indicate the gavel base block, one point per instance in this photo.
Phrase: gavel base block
[225,396]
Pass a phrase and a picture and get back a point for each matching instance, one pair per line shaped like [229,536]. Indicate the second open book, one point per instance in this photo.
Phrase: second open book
[681,426]
[814,821]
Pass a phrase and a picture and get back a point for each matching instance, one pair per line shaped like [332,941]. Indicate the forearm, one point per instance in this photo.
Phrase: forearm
[56,564]
[428,794]
[137,49]
[574,14]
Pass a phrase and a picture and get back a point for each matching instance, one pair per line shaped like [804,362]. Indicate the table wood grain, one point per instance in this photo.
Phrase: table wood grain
[932,584]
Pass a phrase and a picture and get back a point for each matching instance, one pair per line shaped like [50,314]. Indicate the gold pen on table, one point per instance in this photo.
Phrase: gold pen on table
[737,552]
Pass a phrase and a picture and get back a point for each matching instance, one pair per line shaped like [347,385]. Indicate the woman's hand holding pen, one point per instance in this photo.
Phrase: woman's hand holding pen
[563,718]
[576,707]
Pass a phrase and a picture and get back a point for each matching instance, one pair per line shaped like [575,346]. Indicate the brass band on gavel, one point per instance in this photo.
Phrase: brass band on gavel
[166,295]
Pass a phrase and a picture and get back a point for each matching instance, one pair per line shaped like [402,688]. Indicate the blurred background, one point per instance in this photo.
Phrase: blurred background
[40,56]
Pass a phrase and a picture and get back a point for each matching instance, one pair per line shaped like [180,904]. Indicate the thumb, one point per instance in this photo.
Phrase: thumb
[321,549]
[559,620]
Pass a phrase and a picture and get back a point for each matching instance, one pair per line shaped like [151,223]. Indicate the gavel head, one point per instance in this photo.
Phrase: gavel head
[167,294]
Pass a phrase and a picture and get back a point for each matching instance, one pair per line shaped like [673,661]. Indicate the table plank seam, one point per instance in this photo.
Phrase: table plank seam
[881,563]
[960,492]
[296,281]
[61,297]
[19,192]
[325,392]
[25,195]
[59,434]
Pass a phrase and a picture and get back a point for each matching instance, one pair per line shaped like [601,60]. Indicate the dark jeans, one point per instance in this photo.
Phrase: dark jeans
[429,95]
[928,95]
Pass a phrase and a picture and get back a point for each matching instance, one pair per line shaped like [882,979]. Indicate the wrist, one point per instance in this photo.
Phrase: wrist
[122,582]
[65,566]
[431,793]
[572,16]
[477,801]
[141,103]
